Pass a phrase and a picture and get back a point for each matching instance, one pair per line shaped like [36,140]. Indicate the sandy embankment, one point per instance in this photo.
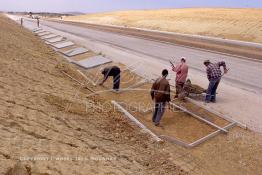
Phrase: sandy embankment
[41,117]
[236,24]
[45,123]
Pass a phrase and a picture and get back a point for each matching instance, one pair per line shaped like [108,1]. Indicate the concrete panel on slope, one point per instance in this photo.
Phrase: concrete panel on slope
[49,36]
[37,29]
[56,39]
[43,33]
[75,51]
[40,31]
[93,62]
[63,44]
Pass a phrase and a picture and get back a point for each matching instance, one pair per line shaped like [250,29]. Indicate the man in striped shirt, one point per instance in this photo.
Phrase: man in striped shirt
[214,75]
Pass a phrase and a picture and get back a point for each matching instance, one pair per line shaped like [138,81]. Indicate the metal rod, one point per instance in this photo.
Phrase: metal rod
[139,124]
[82,84]
[175,140]
[88,79]
[200,118]
[230,119]
[141,83]
[213,134]
[144,111]
[72,78]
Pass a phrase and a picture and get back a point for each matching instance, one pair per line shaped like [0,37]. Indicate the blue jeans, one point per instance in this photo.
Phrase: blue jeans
[158,112]
[211,91]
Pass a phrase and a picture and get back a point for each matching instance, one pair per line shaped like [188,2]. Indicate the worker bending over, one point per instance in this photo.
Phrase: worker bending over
[214,75]
[181,75]
[113,71]
[160,93]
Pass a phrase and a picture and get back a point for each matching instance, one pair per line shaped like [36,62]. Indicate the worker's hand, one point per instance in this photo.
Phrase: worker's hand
[169,106]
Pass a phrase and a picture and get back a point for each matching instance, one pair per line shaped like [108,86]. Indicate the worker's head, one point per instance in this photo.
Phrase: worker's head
[183,60]
[206,62]
[164,73]
[102,71]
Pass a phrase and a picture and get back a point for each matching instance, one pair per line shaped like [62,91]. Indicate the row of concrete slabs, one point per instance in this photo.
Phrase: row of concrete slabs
[69,50]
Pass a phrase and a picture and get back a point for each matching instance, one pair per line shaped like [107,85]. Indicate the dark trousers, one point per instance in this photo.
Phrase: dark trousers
[211,91]
[179,88]
[158,112]
[116,82]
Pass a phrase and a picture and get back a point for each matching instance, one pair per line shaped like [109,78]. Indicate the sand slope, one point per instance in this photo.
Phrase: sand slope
[238,24]
[45,123]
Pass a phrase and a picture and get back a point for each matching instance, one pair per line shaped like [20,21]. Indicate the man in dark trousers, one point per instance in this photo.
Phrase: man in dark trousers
[160,93]
[22,21]
[113,71]
[214,75]
[38,22]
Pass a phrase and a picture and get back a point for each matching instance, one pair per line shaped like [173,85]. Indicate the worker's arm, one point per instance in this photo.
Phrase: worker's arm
[167,92]
[223,64]
[105,78]
[208,73]
[152,91]
[177,68]
[168,95]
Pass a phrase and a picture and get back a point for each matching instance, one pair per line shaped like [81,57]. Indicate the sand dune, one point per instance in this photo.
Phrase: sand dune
[237,24]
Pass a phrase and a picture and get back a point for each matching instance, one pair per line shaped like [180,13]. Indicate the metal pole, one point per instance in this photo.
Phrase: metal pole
[174,140]
[210,135]
[217,113]
[139,124]
[200,118]
[88,79]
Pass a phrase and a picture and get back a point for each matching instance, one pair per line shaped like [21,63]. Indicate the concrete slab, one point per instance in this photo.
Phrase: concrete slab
[75,51]
[63,44]
[43,33]
[56,39]
[93,62]
[40,31]
[49,36]
[37,29]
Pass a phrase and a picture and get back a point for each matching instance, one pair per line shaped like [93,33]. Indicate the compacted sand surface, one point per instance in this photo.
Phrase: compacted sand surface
[237,24]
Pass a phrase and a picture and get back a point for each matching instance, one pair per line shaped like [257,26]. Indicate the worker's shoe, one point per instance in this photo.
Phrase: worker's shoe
[206,102]
[116,90]
[157,124]
[213,100]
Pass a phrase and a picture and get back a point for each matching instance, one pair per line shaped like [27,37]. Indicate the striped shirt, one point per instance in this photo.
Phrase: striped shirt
[213,70]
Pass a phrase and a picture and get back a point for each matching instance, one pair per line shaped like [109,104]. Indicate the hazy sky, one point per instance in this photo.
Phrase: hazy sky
[91,6]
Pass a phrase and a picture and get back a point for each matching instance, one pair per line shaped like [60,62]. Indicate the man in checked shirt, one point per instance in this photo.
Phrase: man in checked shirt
[214,75]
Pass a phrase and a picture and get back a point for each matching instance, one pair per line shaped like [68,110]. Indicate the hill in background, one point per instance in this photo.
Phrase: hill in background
[237,24]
